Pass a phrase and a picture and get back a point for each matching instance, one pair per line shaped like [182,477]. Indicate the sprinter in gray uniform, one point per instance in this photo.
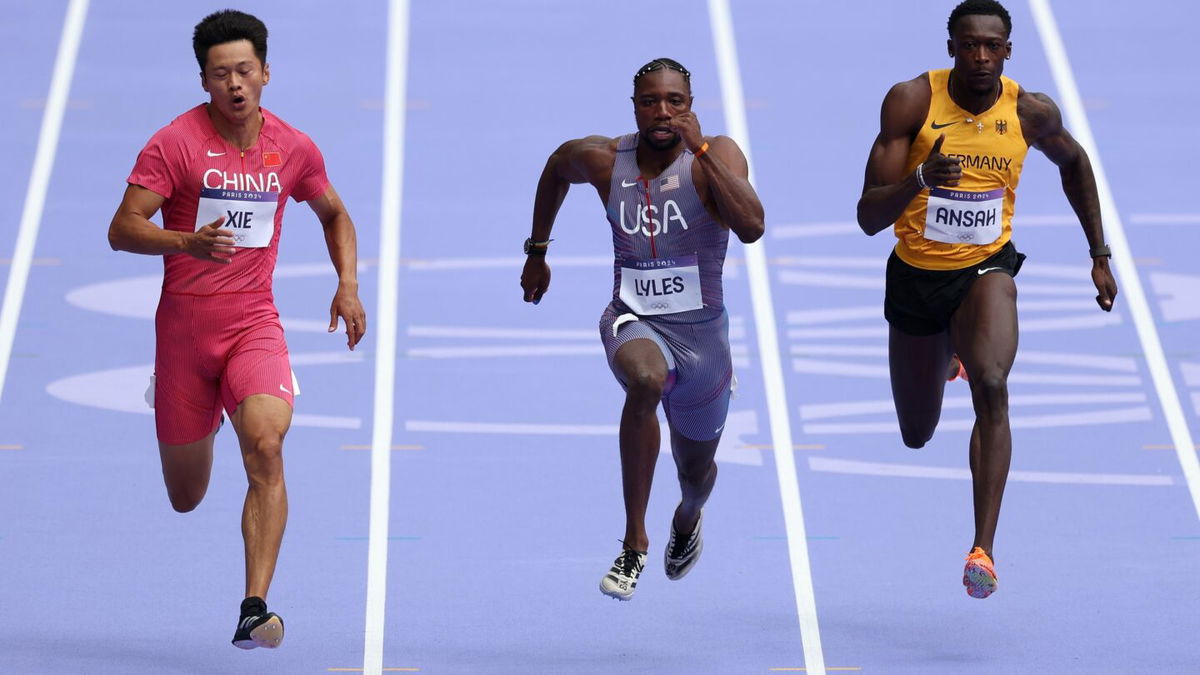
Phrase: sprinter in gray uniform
[672,195]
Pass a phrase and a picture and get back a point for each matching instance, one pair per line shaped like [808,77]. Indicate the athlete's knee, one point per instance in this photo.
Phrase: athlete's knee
[916,435]
[264,458]
[645,385]
[990,393]
[697,475]
[184,499]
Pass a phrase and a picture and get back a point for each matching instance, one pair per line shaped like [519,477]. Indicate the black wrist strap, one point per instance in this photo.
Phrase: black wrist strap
[1100,250]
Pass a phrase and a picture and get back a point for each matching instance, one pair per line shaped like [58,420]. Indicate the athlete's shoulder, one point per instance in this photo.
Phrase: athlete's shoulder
[906,104]
[282,133]
[189,127]
[1039,114]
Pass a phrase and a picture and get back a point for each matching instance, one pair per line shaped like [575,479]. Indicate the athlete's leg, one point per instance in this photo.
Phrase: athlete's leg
[695,461]
[984,331]
[261,422]
[643,370]
[186,469]
[918,365]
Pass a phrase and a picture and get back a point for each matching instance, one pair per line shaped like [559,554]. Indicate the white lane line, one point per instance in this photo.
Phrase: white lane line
[500,333]
[953,473]
[1086,419]
[1165,219]
[734,106]
[814,411]
[39,179]
[504,263]
[507,350]
[386,325]
[1132,289]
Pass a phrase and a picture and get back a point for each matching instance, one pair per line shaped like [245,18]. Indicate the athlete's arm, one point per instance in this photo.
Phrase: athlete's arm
[728,177]
[1041,122]
[342,243]
[887,190]
[131,230]
[579,161]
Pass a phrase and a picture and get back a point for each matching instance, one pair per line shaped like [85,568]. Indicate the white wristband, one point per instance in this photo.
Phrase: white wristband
[921,177]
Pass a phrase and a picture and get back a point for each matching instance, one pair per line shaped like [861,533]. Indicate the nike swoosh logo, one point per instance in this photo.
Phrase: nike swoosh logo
[935,125]
[218,154]
[624,184]
[987,269]
[284,389]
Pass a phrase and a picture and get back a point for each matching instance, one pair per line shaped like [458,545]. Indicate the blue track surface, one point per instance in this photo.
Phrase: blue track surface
[505,489]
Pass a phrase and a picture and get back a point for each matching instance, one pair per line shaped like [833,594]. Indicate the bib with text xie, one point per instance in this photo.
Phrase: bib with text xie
[661,285]
[249,215]
[963,217]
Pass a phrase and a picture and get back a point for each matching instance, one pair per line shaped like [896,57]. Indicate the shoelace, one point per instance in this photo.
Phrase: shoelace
[629,562]
[680,545]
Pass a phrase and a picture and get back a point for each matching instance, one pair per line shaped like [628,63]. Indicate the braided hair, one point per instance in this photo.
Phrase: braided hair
[660,64]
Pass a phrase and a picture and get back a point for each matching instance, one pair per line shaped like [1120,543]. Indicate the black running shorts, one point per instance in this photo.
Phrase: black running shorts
[921,302]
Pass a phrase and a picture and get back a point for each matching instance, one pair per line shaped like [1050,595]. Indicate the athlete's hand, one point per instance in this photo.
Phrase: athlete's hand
[687,125]
[347,306]
[1105,283]
[939,169]
[210,243]
[535,278]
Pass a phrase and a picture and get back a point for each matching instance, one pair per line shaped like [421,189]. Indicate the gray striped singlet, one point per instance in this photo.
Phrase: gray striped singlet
[695,342]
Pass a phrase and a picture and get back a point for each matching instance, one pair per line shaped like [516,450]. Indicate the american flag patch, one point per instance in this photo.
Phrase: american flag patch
[668,183]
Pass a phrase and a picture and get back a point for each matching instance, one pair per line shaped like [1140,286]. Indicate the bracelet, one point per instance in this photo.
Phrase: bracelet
[921,177]
[536,247]
[1100,251]
[701,150]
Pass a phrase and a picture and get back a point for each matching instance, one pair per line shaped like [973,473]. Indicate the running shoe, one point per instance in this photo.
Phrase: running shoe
[621,580]
[956,373]
[979,576]
[683,552]
[257,627]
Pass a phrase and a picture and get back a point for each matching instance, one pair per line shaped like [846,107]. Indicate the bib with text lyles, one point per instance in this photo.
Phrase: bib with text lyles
[661,285]
[249,215]
[964,217]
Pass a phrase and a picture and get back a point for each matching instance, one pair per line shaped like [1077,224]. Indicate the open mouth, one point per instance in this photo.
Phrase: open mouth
[238,100]
[661,133]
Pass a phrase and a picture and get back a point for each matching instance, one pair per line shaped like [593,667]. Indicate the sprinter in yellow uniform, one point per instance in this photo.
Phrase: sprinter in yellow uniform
[944,170]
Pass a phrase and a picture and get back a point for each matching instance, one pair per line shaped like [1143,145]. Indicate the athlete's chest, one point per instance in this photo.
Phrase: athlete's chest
[667,205]
[215,166]
[989,146]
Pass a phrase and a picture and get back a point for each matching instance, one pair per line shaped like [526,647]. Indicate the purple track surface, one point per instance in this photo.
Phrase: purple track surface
[500,533]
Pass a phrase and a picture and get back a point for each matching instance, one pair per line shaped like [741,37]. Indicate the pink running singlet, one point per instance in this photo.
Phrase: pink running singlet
[219,339]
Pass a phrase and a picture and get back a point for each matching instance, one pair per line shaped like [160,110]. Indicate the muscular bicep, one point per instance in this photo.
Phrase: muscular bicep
[731,156]
[579,161]
[1044,128]
[139,202]
[327,206]
[903,111]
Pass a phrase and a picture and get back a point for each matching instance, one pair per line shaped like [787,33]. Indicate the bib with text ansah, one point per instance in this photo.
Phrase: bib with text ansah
[249,215]
[661,285]
[962,217]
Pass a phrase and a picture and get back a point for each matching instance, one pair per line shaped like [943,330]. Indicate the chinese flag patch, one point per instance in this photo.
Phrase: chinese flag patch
[272,159]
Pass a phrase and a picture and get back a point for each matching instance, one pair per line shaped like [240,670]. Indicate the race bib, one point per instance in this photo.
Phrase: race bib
[962,217]
[249,215]
[661,285]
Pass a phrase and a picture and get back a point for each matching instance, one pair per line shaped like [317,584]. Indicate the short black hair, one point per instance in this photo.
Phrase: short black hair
[984,7]
[229,25]
[659,64]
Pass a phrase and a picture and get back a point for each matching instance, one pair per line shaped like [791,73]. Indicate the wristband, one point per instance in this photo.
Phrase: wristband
[536,247]
[701,150]
[921,177]
[1100,251]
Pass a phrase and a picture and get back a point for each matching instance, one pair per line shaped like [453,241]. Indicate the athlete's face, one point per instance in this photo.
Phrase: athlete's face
[234,78]
[979,47]
[659,96]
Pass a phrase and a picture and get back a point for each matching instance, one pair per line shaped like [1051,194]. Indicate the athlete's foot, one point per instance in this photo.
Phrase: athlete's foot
[956,370]
[683,551]
[257,627]
[621,580]
[979,576]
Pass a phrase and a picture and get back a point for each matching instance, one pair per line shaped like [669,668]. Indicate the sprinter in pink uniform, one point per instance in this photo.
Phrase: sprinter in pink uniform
[222,173]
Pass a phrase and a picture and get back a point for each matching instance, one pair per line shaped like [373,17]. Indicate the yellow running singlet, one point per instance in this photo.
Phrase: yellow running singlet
[949,228]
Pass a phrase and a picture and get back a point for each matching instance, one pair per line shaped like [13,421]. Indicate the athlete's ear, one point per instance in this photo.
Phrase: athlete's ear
[266,73]
[1007,50]
[950,47]
[203,82]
